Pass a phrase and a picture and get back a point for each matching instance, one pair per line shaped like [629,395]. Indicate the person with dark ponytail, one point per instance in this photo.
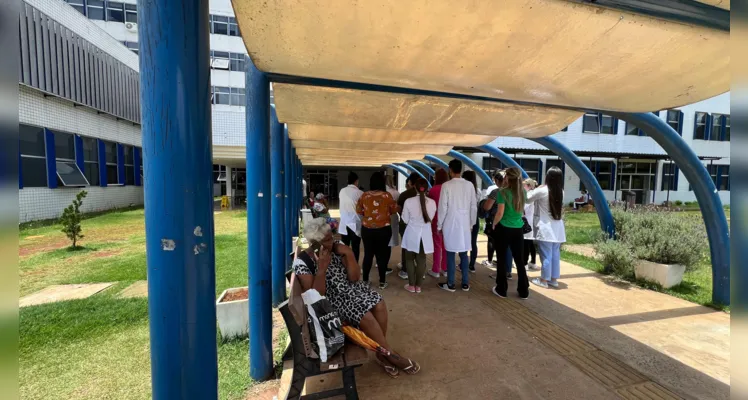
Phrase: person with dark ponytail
[418,212]
[507,231]
[549,226]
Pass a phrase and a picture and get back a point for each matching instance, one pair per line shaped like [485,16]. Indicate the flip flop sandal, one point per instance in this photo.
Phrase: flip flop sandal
[413,368]
[390,370]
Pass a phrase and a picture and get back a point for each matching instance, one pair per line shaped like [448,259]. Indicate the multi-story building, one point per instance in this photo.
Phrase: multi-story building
[79,114]
[624,159]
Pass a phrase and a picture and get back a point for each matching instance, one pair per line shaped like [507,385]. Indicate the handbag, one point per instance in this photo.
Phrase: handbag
[526,228]
[325,326]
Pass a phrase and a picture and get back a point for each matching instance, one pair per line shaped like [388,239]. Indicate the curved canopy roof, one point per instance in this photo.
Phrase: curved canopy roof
[440,72]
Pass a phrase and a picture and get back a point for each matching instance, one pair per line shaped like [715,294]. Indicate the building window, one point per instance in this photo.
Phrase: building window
[95,9]
[566,129]
[133,46]
[112,177]
[237,97]
[726,132]
[632,130]
[669,177]
[724,178]
[33,156]
[233,27]
[700,125]
[129,165]
[598,123]
[638,177]
[131,13]
[675,120]
[491,165]
[91,161]
[219,25]
[78,5]
[604,174]
[221,95]
[115,12]
[68,173]
[531,167]
[229,61]
[237,62]
[716,130]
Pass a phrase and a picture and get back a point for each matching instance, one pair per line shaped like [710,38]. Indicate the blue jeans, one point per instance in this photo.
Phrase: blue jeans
[550,257]
[463,267]
[474,251]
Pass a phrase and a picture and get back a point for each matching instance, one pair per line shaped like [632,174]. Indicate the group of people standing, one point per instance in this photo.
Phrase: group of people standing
[444,220]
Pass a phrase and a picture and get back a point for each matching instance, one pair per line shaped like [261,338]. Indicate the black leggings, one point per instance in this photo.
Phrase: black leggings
[513,239]
[376,244]
[489,242]
[529,251]
[353,241]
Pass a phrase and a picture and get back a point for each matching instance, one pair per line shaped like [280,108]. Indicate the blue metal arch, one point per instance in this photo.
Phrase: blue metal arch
[470,163]
[503,157]
[588,180]
[398,169]
[424,167]
[413,169]
[437,160]
[706,193]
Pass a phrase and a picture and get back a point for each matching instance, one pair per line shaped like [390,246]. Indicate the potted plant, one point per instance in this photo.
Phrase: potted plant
[232,312]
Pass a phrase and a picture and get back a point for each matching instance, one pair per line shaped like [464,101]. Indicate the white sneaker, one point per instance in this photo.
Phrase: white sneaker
[540,283]
[532,267]
[402,274]
[434,274]
[486,263]
[553,283]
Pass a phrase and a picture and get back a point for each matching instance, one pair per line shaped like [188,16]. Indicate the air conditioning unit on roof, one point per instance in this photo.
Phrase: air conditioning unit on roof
[131,26]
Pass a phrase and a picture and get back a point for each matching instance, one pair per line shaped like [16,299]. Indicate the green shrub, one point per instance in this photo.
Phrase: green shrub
[616,256]
[678,203]
[662,237]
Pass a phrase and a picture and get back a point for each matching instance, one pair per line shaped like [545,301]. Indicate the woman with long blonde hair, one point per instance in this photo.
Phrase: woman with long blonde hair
[507,231]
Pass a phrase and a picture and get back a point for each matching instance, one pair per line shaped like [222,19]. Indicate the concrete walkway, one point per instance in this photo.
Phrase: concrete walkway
[593,338]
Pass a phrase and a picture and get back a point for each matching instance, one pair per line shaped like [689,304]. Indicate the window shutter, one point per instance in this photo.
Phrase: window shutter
[102,163]
[120,164]
[676,174]
[680,123]
[540,171]
[708,127]
[722,128]
[136,165]
[49,145]
[79,152]
[613,176]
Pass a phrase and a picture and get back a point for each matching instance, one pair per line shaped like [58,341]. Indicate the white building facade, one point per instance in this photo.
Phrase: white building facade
[624,159]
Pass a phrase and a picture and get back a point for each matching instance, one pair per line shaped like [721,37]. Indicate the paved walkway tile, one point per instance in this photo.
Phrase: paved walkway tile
[56,293]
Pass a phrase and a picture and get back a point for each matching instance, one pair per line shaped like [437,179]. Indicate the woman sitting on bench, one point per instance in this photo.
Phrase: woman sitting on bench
[331,269]
[581,200]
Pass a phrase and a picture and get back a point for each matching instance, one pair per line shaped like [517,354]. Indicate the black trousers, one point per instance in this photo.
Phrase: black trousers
[511,238]
[489,243]
[354,242]
[529,251]
[402,250]
[376,244]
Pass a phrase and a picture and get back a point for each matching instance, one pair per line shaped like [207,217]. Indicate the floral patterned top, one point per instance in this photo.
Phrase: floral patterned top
[375,208]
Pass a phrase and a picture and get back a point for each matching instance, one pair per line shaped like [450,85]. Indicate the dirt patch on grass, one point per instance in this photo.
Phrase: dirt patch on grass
[264,391]
[35,248]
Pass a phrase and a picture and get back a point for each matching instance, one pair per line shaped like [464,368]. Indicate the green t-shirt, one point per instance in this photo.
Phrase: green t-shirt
[511,218]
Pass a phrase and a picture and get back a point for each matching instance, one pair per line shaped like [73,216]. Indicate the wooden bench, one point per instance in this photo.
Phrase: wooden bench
[305,361]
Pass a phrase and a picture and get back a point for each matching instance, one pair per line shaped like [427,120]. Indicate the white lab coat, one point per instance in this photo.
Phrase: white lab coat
[349,196]
[418,231]
[458,210]
[530,215]
[546,228]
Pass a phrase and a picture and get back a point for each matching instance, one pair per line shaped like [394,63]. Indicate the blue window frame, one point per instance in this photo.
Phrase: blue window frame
[670,173]
[701,125]
[604,172]
[599,123]
[32,156]
[675,120]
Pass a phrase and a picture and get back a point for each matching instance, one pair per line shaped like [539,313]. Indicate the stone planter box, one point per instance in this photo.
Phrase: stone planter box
[232,312]
[664,274]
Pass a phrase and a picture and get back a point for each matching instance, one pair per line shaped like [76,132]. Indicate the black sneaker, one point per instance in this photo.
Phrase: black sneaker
[465,288]
[472,269]
[446,287]
[382,285]
[503,296]
[388,271]
[509,276]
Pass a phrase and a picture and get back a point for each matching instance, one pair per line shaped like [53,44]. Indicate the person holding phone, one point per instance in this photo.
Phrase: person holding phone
[331,269]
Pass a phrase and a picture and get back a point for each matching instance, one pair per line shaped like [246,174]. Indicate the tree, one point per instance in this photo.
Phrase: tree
[71,220]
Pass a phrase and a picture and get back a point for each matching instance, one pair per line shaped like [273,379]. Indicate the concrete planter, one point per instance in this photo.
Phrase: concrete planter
[233,315]
[664,274]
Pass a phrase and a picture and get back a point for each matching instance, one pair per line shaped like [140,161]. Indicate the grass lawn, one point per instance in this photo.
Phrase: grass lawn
[583,228]
[98,347]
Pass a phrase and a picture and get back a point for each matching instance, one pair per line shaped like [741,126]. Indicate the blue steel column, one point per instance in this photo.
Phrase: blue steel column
[588,180]
[259,257]
[412,169]
[296,190]
[503,157]
[706,193]
[437,160]
[278,225]
[287,182]
[398,169]
[177,148]
[470,163]
[424,167]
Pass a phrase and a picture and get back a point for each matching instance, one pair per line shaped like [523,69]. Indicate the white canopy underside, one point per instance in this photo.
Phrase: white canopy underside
[550,52]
